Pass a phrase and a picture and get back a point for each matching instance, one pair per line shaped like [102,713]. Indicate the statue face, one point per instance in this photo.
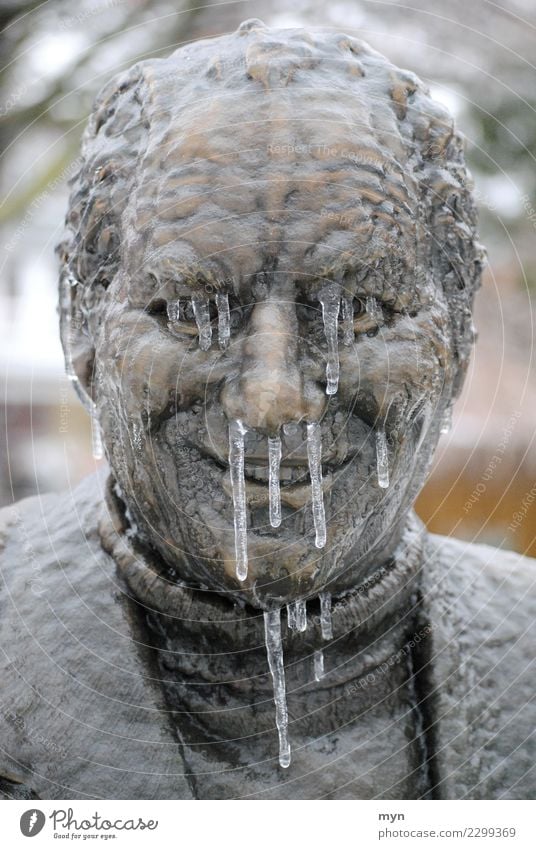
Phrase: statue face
[274,217]
[169,389]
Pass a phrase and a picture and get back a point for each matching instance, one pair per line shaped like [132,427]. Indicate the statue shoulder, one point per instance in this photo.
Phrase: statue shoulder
[81,709]
[481,606]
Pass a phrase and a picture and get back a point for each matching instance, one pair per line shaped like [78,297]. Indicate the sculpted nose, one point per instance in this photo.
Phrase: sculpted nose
[270,389]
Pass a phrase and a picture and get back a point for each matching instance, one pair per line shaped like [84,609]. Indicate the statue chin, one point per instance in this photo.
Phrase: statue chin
[193,529]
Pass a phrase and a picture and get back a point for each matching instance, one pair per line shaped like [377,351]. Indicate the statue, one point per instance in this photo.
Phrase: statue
[267,277]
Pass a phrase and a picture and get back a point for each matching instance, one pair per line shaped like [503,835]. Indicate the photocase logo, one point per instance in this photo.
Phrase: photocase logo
[31,822]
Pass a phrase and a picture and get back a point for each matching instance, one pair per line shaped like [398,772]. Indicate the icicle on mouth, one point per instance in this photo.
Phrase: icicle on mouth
[274,651]
[291,617]
[202,319]
[237,432]
[297,616]
[382,459]
[314,454]
[274,459]
[330,301]
[348,337]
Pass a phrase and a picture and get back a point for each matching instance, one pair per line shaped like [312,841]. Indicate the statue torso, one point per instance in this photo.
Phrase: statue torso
[106,697]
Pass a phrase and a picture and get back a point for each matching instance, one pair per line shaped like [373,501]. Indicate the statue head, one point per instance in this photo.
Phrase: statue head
[270,247]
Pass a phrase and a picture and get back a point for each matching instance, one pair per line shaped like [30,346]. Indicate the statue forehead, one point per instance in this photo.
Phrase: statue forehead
[268,146]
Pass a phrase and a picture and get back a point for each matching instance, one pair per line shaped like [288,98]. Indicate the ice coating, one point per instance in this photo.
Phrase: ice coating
[382,459]
[96,439]
[348,336]
[326,624]
[224,321]
[319,664]
[274,651]
[274,459]
[202,319]
[314,455]
[330,301]
[237,432]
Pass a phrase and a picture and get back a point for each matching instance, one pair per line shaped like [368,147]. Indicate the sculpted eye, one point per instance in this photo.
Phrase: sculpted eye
[204,317]
[156,307]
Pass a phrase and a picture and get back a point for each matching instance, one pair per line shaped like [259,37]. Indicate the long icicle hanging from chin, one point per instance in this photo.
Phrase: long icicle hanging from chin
[274,651]
[274,460]
[237,432]
[314,455]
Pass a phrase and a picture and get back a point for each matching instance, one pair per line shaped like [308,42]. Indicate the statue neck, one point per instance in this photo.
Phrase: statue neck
[206,641]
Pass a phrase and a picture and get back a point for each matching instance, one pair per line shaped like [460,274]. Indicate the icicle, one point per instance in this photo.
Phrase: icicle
[69,283]
[371,306]
[348,337]
[314,454]
[446,422]
[301,615]
[291,617]
[238,484]
[382,459]
[224,321]
[96,439]
[319,664]
[274,650]
[297,616]
[173,311]
[202,319]
[326,624]
[274,457]
[330,315]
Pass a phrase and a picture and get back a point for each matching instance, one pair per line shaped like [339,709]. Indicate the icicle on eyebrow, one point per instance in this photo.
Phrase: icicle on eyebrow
[274,460]
[382,459]
[173,311]
[348,337]
[202,319]
[372,308]
[314,455]
[224,320]
[237,432]
[330,301]
[319,664]
[274,651]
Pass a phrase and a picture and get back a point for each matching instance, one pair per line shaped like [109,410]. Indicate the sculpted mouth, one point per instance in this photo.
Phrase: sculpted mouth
[292,470]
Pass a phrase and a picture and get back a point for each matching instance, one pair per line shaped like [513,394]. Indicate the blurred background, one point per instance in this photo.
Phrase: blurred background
[478,59]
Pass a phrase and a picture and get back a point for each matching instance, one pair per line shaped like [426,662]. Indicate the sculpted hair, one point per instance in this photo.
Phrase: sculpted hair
[134,104]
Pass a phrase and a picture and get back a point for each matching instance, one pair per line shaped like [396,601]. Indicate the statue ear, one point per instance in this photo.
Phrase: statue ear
[77,345]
